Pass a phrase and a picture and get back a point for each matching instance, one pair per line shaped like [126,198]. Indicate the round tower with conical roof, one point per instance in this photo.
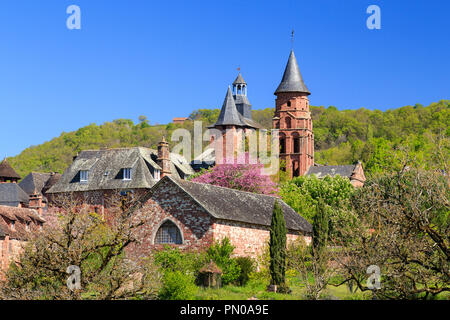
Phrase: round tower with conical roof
[7,173]
[293,118]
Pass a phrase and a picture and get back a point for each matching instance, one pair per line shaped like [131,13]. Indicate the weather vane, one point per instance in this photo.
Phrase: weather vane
[292,39]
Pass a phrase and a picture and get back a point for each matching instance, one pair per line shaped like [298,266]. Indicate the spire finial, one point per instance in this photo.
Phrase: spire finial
[292,39]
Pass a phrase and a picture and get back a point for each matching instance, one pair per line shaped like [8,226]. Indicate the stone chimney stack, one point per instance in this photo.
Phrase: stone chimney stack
[164,157]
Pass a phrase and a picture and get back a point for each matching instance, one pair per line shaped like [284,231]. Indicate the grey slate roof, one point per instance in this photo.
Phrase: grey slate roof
[11,194]
[105,168]
[292,78]
[229,114]
[234,205]
[322,171]
[34,182]
[239,80]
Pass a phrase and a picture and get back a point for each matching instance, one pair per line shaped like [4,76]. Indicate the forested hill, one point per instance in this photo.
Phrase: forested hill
[341,137]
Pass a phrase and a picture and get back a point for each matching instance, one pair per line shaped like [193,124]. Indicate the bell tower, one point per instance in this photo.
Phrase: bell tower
[293,119]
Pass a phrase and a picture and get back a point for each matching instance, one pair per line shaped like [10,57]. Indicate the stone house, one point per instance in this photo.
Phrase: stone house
[100,177]
[354,172]
[11,194]
[191,215]
[36,185]
[16,225]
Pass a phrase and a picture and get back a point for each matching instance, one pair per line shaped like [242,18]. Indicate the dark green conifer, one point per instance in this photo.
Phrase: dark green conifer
[277,246]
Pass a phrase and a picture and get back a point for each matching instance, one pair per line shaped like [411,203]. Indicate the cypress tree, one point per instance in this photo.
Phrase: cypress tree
[277,246]
[320,228]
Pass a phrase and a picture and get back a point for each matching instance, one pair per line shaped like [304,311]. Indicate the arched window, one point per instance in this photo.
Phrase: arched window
[282,144]
[296,142]
[168,233]
[295,169]
[288,122]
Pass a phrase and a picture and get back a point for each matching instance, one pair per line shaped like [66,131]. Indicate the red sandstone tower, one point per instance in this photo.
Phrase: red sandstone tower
[293,119]
[234,123]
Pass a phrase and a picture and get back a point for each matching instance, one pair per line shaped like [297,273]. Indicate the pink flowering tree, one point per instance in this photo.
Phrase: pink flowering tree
[240,175]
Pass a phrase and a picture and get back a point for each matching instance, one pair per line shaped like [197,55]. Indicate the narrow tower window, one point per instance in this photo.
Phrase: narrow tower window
[282,145]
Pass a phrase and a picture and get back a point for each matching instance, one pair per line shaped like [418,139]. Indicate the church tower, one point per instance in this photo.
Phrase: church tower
[293,118]
[234,122]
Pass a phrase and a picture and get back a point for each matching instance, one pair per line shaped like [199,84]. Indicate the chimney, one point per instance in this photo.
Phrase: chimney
[164,157]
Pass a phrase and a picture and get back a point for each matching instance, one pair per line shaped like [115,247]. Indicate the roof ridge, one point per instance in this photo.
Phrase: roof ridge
[216,186]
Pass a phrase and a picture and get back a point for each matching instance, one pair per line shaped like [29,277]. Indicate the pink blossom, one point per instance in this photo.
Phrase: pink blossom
[239,175]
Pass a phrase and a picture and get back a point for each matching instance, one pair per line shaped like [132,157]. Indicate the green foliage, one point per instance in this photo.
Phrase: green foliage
[247,266]
[341,137]
[320,227]
[277,246]
[304,193]
[172,259]
[178,286]
[220,253]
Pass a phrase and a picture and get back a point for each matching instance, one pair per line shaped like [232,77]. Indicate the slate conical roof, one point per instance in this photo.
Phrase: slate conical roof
[239,80]
[229,114]
[292,78]
[6,171]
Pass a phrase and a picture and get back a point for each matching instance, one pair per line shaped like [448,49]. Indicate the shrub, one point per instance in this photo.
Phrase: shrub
[247,266]
[220,253]
[178,286]
[172,259]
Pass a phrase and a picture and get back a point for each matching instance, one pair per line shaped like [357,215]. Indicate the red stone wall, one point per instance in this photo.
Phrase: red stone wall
[10,250]
[170,203]
[249,240]
[293,118]
[198,228]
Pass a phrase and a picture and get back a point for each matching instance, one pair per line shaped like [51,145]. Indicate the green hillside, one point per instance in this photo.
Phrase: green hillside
[341,137]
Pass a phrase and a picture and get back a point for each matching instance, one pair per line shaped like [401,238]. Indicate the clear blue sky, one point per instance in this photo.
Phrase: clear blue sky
[164,59]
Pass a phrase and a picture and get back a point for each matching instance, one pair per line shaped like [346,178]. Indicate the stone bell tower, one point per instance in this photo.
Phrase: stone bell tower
[293,118]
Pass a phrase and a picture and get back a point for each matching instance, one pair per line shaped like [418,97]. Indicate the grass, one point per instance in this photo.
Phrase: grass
[256,288]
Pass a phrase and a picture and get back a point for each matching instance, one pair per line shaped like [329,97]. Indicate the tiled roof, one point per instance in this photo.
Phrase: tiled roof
[239,80]
[322,171]
[234,205]
[6,171]
[11,194]
[292,78]
[19,215]
[34,182]
[105,167]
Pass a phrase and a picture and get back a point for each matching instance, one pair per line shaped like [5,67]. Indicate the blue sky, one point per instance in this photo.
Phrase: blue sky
[164,59]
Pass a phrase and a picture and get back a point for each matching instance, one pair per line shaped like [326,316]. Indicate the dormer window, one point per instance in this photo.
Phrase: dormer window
[27,226]
[157,174]
[13,225]
[127,174]
[84,175]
